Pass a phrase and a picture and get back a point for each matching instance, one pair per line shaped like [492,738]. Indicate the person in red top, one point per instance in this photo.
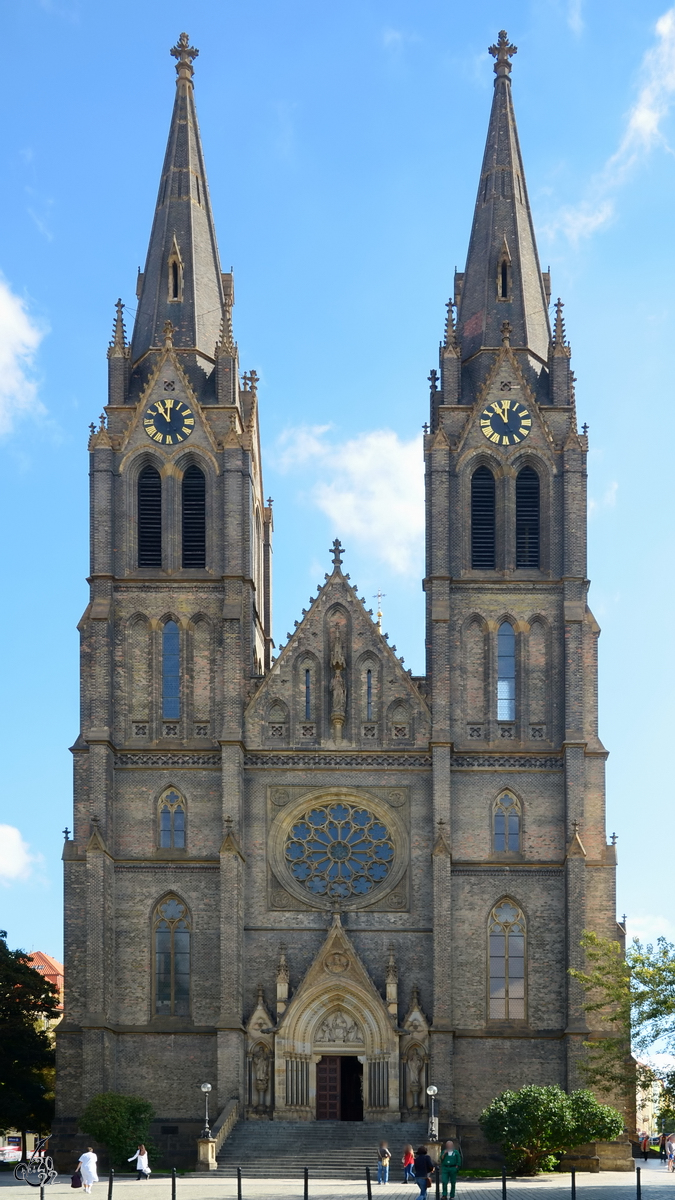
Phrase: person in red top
[408,1161]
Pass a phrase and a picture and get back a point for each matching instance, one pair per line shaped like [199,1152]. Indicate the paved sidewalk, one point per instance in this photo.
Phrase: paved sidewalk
[657,1184]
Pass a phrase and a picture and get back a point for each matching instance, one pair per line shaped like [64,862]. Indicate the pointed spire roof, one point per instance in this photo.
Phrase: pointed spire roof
[503,279]
[182,280]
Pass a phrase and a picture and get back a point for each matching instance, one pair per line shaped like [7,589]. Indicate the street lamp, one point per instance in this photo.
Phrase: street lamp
[206,1132]
[432,1092]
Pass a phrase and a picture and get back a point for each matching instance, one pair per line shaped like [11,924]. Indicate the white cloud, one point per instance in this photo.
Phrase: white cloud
[19,340]
[574,17]
[647,927]
[644,130]
[15,858]
[371,488]
[607,500]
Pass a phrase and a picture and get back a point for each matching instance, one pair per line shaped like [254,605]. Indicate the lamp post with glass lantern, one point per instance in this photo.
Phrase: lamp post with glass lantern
[432,1092]
[206,1132]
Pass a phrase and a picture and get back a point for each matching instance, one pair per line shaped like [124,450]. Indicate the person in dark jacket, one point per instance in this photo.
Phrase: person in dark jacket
[424,1169]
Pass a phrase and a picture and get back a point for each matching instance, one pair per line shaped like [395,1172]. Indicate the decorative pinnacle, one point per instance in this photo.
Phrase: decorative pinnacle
[185,53]
[337,552]
[559,326]
[66,833]
[450,332]
[168,334]
[119,337]
[502,52]
[433,381]
[506,333]
[615,838]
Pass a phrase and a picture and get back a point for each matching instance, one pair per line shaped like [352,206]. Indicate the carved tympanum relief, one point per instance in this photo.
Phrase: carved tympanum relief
[339,1029]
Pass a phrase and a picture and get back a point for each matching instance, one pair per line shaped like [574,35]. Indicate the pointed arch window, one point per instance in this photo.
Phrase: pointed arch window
[193,498]
[527,518]
[172,820]
[171,672]
[483,520]
[175,280]
[149,518]
[171,933]
[308,694]
[369,694]
[504,280]
[506,936]
[506,824]
[506,672]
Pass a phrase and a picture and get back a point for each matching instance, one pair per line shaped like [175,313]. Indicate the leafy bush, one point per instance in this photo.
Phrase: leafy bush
[119,1122]
[536,1124]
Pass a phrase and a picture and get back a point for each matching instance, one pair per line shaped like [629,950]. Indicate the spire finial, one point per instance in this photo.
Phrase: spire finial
[379,596]
[506,333]
[185,53]
[502,52]
[337,551]
[450,331]
[168,334]
[119,337]
[559,326]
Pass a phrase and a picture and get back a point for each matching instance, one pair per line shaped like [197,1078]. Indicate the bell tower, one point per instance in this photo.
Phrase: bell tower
[512,649]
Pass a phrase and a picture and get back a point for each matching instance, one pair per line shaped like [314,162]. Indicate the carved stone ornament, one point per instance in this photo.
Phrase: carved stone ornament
[336,963]
[338,1030]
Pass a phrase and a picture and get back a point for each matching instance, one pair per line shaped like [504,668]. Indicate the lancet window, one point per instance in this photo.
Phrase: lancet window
[171,672]
[506,672]
[194,517]
[171,931]
[149,518]
[506,824]
[483,519]
[506,934]
[172,820]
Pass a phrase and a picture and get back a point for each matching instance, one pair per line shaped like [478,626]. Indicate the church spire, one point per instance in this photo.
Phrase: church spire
[182,280]
[502,280]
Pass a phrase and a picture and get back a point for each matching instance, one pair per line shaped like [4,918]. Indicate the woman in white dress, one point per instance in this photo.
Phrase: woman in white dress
[142,1165]
[88,1162]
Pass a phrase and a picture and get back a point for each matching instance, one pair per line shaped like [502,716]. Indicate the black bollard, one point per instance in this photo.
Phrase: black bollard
[504,1183]
[238,1183]
[574,1183]
[173,1183]
[438,1182]
[638,1183]
[306,1183]
[369,1186]
[111,1178]
[42,1191]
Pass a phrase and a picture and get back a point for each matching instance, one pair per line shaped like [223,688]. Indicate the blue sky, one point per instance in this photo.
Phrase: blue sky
[343,146]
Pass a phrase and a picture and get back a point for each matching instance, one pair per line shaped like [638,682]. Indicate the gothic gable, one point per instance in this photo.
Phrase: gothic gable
[337,682]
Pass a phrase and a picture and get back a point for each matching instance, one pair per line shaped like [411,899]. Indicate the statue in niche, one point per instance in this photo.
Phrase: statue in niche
[339,1029]
[415,1070]
[261,1073]
[338,687]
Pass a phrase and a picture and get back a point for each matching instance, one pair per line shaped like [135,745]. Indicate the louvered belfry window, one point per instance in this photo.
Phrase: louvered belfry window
[483,520]
[194,518]
[527,518]
[149,518]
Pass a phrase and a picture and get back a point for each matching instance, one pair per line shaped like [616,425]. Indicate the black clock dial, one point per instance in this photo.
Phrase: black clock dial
[505,422]
[168,421]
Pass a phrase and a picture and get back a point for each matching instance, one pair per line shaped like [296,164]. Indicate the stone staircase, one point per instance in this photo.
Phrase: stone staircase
[330,1149]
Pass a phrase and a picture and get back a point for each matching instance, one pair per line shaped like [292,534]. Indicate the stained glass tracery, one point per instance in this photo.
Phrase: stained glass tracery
[339,851]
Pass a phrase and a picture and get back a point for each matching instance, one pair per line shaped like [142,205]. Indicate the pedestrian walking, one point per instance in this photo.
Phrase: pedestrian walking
[663,1149]
[408,1161]
[87,1163]
[383,1160]
[142,1165]
[670,1150]
[644,1145]
[451,1161]
[424,1169]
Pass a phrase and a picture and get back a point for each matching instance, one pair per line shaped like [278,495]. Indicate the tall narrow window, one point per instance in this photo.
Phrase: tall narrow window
[194,518]
[172,958]
[527,518]
[175,281]
[506,673]
[483,520]
[369,695]
[504,281]
[149,518]
[506,824]
[506,933]
[171,672]
[308,694]
[172,821]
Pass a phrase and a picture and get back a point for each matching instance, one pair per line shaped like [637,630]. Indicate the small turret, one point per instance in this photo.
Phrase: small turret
[118,360]
[559,361]
[449,361]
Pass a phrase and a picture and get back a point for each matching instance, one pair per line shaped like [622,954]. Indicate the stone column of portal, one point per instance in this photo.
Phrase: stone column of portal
[438,650]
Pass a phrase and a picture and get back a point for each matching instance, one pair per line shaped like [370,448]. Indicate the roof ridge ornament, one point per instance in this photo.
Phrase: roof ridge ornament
[337,552]
[185,53]
[502,52]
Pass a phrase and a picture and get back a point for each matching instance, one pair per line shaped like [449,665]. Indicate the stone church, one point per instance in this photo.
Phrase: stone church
[301,873]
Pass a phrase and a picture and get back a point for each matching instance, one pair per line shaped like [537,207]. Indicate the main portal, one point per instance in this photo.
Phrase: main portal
[339,1088]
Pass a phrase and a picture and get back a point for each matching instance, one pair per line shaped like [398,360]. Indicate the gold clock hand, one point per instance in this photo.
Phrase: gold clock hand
[161,410]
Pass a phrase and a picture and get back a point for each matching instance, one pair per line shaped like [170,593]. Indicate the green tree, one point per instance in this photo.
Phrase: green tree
[665,1115]
[535,1125]
[120,1123]
[26,1052]
[634,996]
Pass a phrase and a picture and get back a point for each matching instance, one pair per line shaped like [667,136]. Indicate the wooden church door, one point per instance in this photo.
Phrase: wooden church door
[328,1088]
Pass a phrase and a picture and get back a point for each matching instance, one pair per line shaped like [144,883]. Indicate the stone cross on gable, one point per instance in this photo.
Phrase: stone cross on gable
[337,552]
[502,52]
[185,53]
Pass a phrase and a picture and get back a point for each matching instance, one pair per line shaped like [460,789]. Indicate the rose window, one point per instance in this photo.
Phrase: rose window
[339,851]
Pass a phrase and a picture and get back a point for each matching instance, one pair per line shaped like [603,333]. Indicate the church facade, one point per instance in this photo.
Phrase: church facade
[309,878]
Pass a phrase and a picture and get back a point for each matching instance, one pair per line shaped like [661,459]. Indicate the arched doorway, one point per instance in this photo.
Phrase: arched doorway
[339,1088]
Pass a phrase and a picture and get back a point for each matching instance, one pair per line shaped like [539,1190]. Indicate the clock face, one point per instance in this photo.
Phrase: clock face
[168,421]
[505,422]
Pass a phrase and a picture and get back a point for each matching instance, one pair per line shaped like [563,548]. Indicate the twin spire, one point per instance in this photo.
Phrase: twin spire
[503,280]
[182,281]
